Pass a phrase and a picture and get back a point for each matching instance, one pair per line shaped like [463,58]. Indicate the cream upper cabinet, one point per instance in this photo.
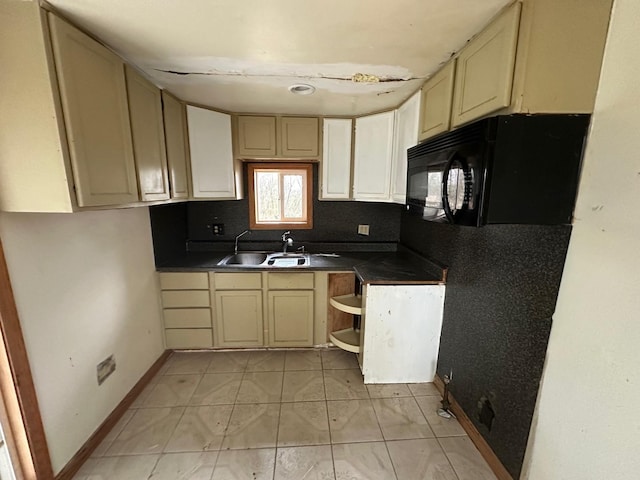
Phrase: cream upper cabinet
[145,111]
[175,136]
[213,171]
[435,106]
[96,116]
[336,159]
[299,137]
[280,137]
[405,137]
[484,75]
[373,156]
[256,136]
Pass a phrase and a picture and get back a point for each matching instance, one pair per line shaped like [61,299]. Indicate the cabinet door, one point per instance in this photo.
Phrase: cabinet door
[299,137]
[212,164]
[239,318]
[406,136]
[96,116]
[336,159]
[177,157]
[372,159]
[256,136]
[145,111]
[291,318]
[435,108]
[484,74]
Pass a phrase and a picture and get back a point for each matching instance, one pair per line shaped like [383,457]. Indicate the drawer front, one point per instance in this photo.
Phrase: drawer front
[238,281]
[187,318]
[287,281]
[184,281]
[189,338]
[185,298]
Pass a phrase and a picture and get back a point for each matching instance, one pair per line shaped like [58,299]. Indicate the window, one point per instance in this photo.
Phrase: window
[280,195]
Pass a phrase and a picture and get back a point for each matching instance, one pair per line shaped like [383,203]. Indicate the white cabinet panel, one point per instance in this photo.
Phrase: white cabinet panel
[406,136]
[212,163]
[336,159]
[372,159]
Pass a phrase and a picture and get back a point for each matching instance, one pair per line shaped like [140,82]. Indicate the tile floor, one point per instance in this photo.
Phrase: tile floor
[294,415]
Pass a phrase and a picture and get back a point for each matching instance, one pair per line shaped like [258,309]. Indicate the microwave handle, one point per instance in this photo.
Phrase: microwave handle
[445,182]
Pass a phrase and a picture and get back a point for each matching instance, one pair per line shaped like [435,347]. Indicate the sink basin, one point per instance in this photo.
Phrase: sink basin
[288,260]
[244,258]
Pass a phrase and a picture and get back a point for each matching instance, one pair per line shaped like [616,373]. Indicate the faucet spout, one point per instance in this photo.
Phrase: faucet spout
[287,241]
[235,250]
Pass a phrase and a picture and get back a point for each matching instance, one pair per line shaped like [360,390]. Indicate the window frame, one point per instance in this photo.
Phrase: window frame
[308,168]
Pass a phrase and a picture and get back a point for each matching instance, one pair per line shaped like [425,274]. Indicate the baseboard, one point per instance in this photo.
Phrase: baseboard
[478,440]
[81,456]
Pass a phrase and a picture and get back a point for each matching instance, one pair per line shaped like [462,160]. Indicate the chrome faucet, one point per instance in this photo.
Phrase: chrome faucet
[287,241]
[235,250]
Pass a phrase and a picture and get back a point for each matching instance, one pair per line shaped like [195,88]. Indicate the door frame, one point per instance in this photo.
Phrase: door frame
[21,419]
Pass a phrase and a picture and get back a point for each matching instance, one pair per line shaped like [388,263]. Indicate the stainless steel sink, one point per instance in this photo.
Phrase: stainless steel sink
[262,259]
[244,258]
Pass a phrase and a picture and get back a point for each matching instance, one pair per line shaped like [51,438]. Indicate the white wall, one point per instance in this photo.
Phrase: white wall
[85,288]
[588,414]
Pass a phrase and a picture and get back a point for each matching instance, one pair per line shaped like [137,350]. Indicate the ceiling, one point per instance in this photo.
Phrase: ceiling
[241,55]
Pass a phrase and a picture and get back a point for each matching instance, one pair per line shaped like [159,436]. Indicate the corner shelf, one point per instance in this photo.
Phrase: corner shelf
[349,338]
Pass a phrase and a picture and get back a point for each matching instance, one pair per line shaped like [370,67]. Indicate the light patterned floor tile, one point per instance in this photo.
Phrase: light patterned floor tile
[303,423]
[85,471]
[353,421]
[308,463]
[362,461]
[172,391]
[147,432]
[442,427]
[302,360]
[260,387]
[134,467]
[185,466]
[217,389]
[245,464]
[252,426]
[421,459]
[200,429]
[466,459]
[303,386]
[423,389]
[344,385]
[338,359]
[401,418]
[228,362]
[188,362]
[389,390]
[113,433]
[262,361]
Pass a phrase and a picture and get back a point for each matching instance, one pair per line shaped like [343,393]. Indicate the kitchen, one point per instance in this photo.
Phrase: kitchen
[109,252]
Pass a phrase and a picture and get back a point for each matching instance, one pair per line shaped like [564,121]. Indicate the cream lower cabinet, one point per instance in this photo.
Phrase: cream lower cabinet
[239,307]
[186,309]
[290,309]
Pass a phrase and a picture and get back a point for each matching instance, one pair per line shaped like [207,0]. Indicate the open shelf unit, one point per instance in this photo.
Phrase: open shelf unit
[349,338]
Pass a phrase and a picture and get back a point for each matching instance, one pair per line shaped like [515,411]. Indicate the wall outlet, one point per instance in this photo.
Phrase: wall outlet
[363,229]
[106,368]
[217,228]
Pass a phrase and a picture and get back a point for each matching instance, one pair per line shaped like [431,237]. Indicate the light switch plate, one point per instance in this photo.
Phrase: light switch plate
[363,229]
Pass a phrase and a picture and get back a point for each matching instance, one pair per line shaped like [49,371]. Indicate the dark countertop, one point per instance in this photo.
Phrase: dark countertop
[380,268]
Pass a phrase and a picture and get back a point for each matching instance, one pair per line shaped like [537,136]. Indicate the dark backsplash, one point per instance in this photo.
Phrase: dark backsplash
[177,225]
[501,293]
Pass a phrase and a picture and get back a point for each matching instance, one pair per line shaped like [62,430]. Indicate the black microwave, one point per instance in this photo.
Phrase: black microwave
[520,169]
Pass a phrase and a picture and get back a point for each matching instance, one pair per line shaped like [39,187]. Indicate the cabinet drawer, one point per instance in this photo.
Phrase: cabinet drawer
[184,281]
[238,281]
[187,318]
[185,298]
[291,280]
[189,338]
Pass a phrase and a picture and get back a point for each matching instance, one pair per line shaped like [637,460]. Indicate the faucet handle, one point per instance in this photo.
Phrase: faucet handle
[284,235]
